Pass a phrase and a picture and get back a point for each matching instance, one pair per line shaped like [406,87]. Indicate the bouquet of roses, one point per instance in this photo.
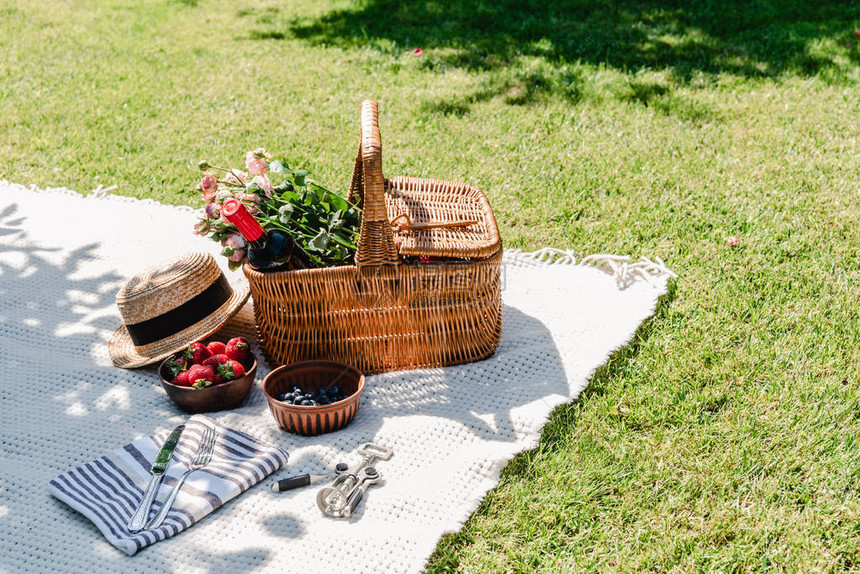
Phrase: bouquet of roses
[322,223]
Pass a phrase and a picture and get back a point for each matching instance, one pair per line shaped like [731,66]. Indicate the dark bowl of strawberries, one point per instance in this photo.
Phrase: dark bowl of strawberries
[209,377]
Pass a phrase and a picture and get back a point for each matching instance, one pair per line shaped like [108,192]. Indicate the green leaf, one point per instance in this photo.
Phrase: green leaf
[285,185]
[338,203]
[290,196]
[227,251]
[285,213]
[233,265]
[334,220]
[320,241]
[278,166]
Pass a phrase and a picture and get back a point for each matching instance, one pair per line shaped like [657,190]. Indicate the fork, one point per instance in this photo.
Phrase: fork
[201,458]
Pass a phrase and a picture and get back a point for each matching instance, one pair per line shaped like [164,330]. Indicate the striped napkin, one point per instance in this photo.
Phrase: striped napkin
[108,489]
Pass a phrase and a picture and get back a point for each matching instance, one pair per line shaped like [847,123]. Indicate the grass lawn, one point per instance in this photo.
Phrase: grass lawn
[726,436]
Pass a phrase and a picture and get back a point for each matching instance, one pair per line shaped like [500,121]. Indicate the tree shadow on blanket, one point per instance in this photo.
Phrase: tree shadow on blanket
[55,318]
[61,408]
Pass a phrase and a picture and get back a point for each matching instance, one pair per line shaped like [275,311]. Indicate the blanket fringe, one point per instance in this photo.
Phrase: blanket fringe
[621,267]
[100,193]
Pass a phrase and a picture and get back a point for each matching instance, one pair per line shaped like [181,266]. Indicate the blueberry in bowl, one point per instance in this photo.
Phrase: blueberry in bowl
[313,397]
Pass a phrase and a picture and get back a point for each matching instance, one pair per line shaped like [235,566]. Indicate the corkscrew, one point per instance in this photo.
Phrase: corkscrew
[350,482]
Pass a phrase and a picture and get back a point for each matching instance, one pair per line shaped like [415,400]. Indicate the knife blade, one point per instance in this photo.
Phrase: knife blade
[140,516]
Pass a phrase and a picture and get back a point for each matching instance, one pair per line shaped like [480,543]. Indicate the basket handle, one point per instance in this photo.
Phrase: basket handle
[376,241]
[410,226]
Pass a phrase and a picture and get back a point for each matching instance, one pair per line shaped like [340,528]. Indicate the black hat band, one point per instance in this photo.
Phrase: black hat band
[180,318]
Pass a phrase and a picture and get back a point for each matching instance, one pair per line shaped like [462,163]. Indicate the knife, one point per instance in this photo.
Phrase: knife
[158,467]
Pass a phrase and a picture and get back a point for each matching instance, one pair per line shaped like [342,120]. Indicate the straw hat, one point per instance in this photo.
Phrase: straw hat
[167,307]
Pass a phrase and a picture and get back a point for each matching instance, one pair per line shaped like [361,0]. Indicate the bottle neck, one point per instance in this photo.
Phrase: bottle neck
[250,228]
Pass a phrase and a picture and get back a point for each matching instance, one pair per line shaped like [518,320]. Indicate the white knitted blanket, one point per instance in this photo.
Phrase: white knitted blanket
[63,257]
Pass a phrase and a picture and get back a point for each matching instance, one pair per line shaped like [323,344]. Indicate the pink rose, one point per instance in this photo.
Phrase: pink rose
[236,177]
[213,211]
[208,184]
[263,182]
[256,165]
[237,255]
[208,196]
[235,241]
[256,161]
[222,196]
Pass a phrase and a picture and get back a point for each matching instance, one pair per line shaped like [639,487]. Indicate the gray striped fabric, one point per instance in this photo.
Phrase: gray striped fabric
[108,489]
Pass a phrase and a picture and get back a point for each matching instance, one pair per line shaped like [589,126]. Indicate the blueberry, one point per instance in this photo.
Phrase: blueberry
[307,403]
[288,397]
[297,401]
[322,391]
[334,390]
[297,390]
[324,400]
[282,397]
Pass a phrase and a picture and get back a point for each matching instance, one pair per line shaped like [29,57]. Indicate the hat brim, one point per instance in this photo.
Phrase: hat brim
[126,355]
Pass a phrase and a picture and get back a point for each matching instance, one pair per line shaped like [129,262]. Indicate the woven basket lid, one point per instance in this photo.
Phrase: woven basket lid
[168,306]
[431,217]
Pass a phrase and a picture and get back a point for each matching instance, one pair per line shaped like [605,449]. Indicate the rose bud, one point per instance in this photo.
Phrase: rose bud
[208,184]
[237,255]
[213,211]
[202,227]
[234,240]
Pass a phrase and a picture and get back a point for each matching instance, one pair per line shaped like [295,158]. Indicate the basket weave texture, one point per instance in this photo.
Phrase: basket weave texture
[382,314]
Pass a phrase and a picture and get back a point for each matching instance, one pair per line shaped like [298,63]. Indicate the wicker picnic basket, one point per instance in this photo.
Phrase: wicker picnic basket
[384,314]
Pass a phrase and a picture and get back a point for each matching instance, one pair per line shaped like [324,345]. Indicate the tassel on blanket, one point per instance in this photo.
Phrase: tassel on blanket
[622,267]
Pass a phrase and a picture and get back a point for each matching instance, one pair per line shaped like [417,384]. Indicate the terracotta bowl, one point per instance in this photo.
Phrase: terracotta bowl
[221,397]
[311,376]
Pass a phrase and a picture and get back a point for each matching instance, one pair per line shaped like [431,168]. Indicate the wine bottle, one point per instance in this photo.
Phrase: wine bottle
[272,251]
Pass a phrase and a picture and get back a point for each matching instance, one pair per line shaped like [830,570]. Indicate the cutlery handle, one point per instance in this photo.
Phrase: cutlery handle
[139,518]
[168,504]
[292,482]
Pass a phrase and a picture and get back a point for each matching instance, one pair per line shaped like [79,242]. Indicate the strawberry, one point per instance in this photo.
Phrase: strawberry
[231,370]
[196,353]
[216,361]
[201,376]
[237,348]
[176,365]
[181,379]
[216,347]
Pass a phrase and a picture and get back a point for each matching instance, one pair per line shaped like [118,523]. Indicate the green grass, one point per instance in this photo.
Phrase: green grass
[725,436]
